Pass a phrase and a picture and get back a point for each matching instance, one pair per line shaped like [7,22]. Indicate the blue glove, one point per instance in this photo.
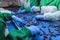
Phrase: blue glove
[34,30]
[18,20]
[21,11]
[10,26]
[41,17]
[32,10]
[13,13]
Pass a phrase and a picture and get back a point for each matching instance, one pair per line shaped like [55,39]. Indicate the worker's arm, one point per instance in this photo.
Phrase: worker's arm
[50,16]
[7,16]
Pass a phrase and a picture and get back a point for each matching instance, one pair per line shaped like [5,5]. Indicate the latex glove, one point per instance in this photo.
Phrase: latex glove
[21,11]
[13,13]
[32,10]
[7,11]
[52,16]
[34,30]
[35,9]
[41,17]
[47,16]
[18,19]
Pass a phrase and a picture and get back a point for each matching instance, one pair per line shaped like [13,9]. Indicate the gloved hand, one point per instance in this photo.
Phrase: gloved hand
[18,19]
[47,16]
[34,9]
[13,13]
[21,11]
[34,30]
[41,17]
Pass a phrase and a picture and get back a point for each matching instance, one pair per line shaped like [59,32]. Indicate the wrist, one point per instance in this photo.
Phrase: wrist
[13,16]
